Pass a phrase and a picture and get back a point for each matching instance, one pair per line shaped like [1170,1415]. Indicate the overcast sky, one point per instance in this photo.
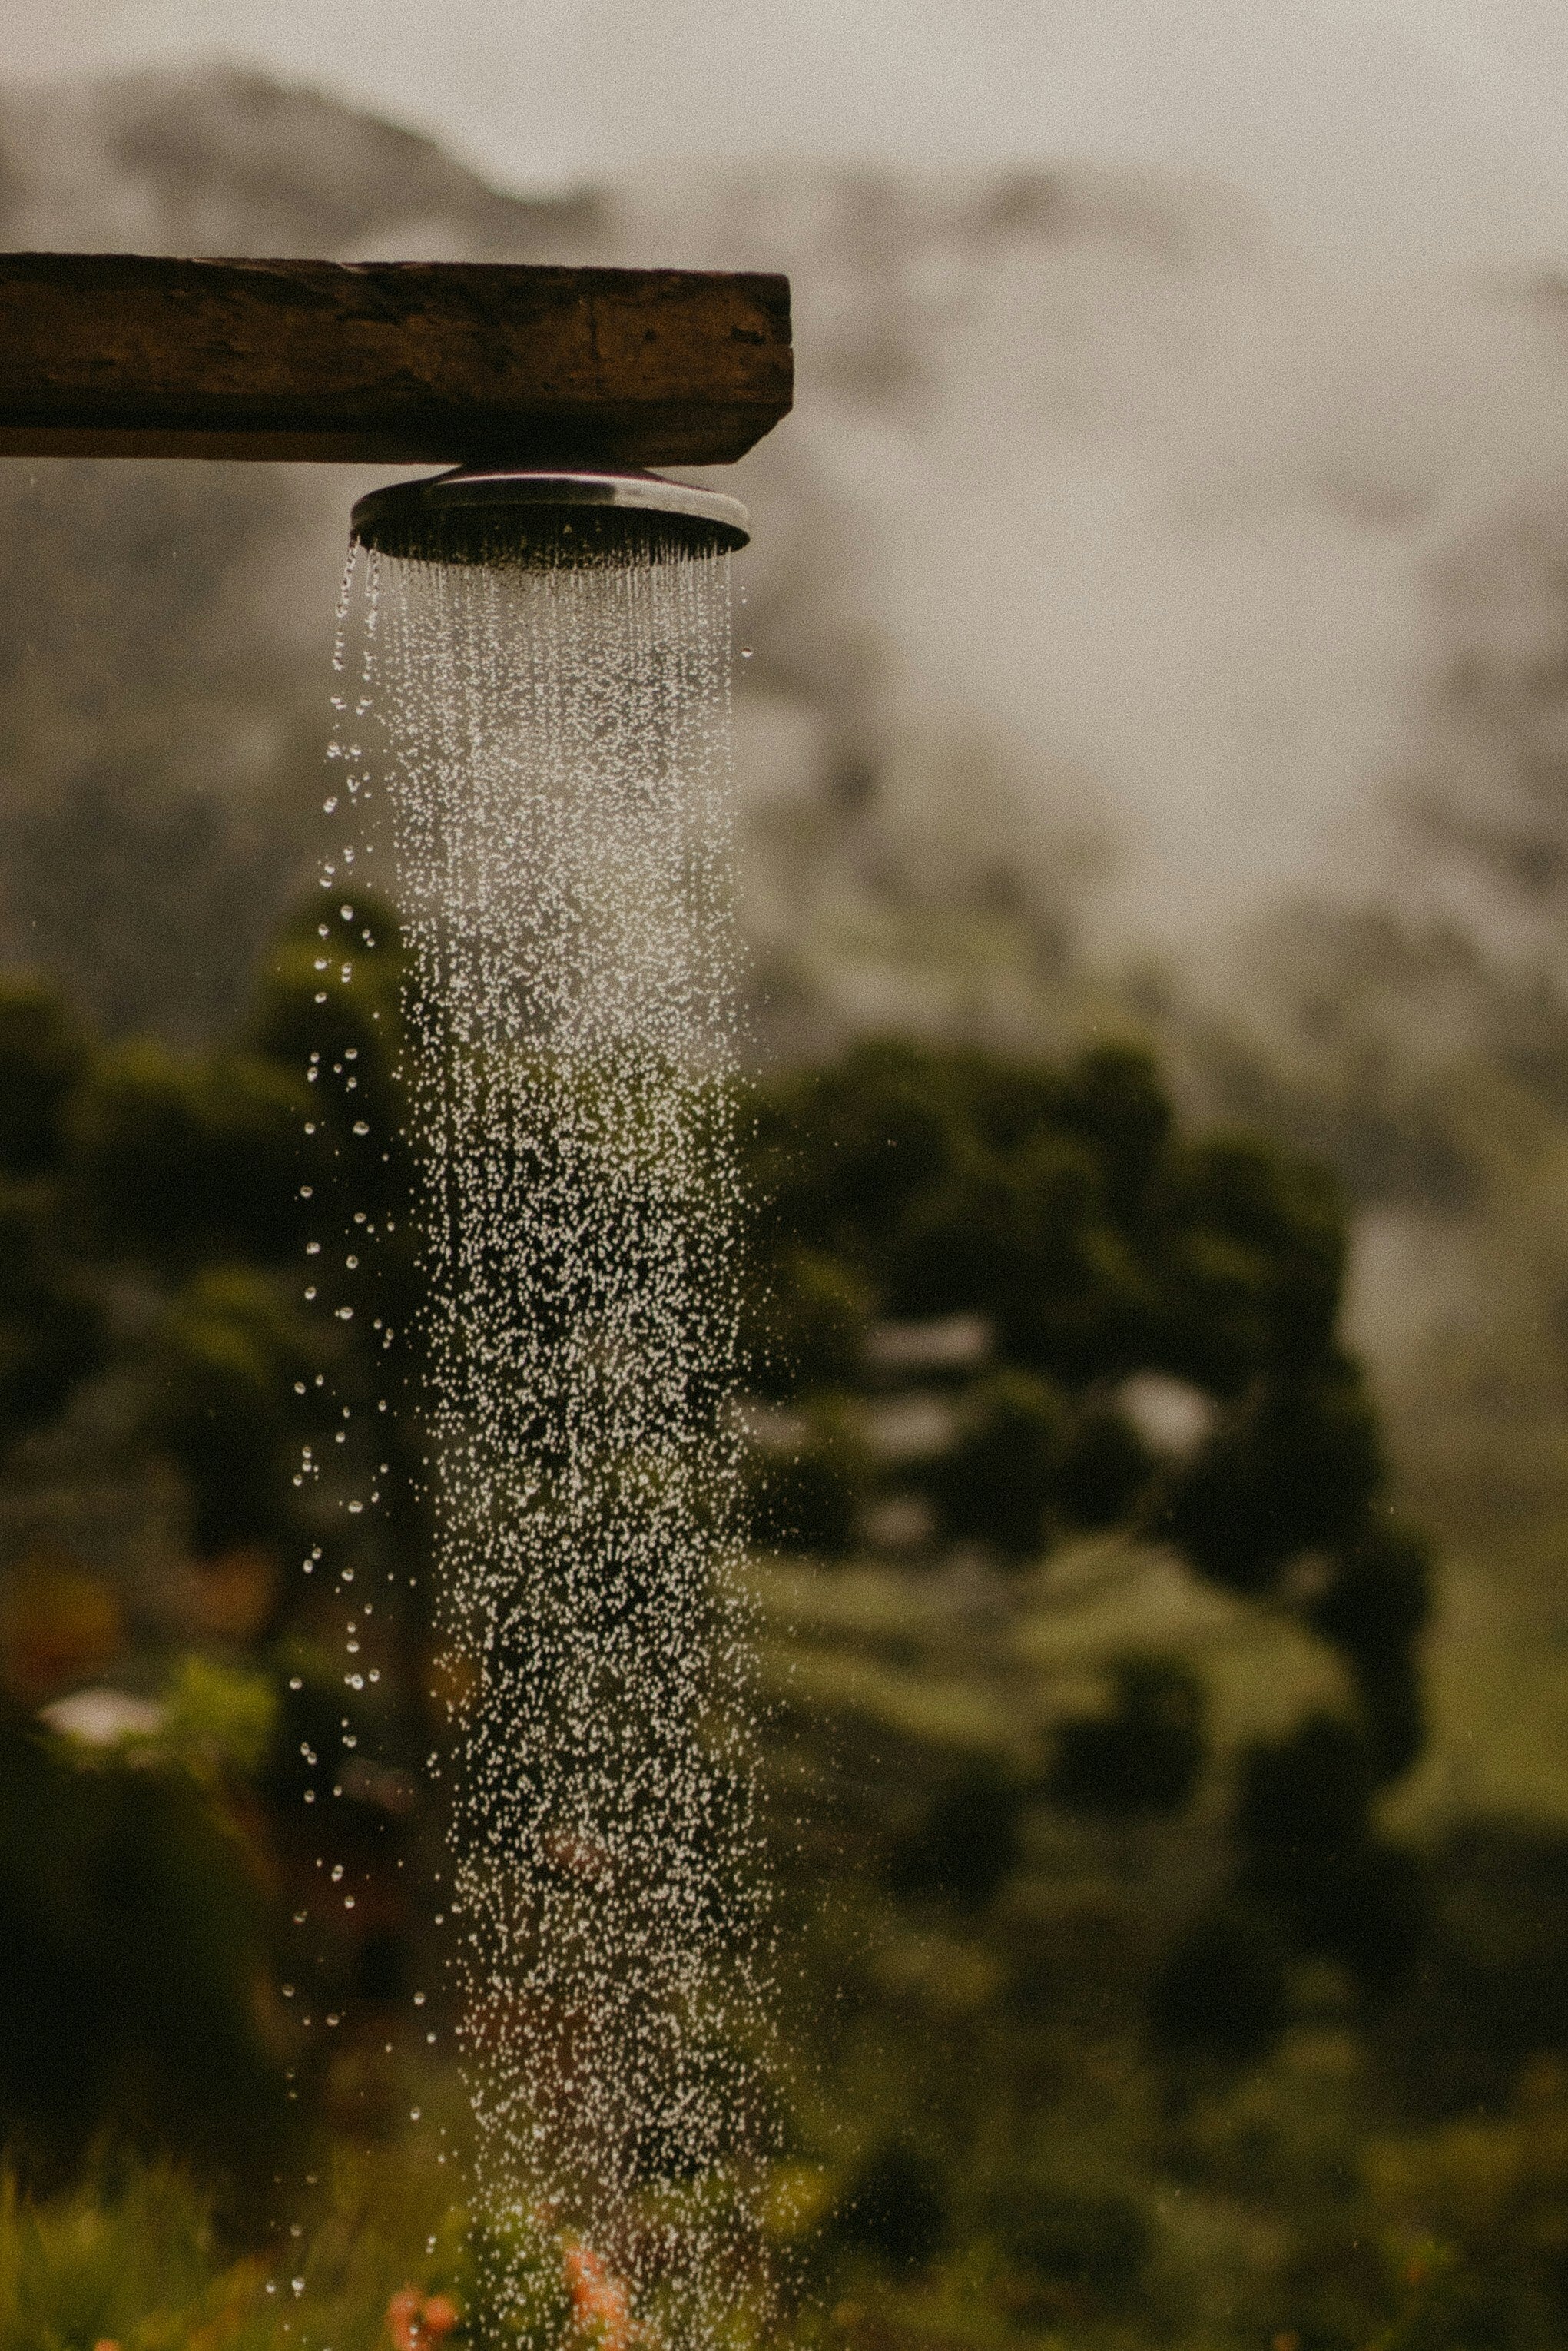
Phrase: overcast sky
[1411,124]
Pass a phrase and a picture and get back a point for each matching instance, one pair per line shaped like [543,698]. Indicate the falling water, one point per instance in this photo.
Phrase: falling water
[555,758]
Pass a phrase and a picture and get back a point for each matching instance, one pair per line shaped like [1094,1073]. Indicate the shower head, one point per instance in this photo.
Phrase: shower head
[548,518]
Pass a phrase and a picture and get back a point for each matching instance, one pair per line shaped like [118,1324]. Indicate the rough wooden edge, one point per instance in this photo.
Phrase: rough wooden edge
[386,362]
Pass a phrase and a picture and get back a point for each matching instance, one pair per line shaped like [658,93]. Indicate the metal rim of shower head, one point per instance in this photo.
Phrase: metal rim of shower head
[548,517]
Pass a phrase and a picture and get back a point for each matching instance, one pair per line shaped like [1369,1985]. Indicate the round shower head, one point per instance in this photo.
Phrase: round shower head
[553,517]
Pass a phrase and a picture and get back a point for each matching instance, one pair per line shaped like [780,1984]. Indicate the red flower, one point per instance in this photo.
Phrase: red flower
[599,2300]
[402,2319]
[416,2321]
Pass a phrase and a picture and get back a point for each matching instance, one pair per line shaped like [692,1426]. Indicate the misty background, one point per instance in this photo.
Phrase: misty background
[1158,614]
[1153,670]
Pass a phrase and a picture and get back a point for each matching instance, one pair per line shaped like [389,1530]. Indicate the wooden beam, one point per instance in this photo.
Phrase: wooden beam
[412,362]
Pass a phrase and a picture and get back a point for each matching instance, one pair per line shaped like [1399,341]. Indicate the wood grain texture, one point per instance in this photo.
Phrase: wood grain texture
[390,363]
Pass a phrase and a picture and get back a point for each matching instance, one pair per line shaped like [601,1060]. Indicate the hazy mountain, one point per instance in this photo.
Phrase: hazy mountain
[224,161]
[1103,580]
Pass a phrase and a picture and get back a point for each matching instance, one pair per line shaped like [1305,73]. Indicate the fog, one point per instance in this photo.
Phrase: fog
[1104,478]
[1407,125]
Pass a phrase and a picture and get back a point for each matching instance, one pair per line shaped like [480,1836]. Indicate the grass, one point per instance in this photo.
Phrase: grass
[133,2255]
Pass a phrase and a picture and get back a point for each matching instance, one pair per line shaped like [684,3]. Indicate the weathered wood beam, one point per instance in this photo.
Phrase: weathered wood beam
[124,355]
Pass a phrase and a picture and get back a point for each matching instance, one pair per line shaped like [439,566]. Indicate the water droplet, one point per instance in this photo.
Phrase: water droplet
[525,718]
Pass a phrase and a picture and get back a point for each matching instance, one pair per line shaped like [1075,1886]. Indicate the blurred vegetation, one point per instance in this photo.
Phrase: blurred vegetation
[1122,1996]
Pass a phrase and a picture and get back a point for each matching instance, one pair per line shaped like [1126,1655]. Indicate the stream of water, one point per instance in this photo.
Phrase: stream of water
[553,750]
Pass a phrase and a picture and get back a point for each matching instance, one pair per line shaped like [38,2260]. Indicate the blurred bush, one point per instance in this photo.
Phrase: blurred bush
[1145,1753]
[134,1945]
[1050,1959]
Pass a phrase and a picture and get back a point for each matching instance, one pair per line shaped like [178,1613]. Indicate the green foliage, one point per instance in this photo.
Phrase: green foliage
[1106,1468]
[1064,1209]
[1223,1993]
[805,1322]
[1314,1855]
[968,1841]
[1296,1466]
[1145,1753]
[132,1943]
[230,1351]
[135,2255]
[44,1055]
[329,1012]
[807,1489]
[52,1329]
[183,1161]
[1258,1242]
[992,1907]
[96,2264]
[1064,1214]
[1375,1608]
[1491,1994]
[998,1480]
[1071,2249]
[219,1718]
[894,2208]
